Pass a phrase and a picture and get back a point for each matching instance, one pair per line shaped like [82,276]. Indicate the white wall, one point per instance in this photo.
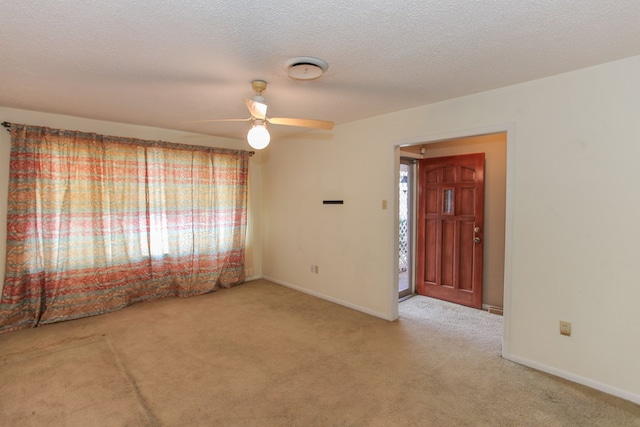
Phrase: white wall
[573,152]
[254,260]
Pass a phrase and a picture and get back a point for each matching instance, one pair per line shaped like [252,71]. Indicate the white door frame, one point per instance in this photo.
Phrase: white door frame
[505,128]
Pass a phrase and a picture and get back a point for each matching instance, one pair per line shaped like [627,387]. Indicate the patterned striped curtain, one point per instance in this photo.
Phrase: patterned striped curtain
[96,223]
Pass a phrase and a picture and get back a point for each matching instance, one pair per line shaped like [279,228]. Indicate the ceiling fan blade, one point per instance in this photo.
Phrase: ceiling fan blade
[219,120]
[307,123]
[257,109]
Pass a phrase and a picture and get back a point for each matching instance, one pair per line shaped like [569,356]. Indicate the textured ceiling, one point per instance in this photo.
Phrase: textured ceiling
[164,62]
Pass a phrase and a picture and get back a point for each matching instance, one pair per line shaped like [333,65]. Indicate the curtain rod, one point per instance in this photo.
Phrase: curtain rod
[7,125]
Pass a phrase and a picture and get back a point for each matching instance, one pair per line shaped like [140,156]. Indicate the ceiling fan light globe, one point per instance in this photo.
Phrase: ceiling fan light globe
[258,137]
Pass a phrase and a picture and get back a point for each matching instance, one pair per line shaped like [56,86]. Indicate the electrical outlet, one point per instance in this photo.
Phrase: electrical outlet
[565,328]
[385,204]
[316,269]
[313,268]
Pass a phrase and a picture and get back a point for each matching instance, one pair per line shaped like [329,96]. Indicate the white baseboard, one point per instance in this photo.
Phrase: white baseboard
[328,298]
[635,398]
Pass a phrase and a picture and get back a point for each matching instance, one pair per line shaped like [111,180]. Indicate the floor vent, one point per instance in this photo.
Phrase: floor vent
[495,310]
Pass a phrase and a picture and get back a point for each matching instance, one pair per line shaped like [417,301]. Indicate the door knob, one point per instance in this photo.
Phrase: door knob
[476,240]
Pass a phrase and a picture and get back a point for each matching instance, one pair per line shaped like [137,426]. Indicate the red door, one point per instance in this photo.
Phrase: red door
[450,228]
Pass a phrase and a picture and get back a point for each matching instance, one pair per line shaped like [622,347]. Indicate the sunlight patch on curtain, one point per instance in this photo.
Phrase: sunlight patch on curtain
[96,223]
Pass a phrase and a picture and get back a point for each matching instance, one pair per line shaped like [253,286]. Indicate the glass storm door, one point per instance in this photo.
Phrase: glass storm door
[405,264]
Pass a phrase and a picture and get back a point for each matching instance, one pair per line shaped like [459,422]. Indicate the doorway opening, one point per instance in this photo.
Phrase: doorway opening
[494,145]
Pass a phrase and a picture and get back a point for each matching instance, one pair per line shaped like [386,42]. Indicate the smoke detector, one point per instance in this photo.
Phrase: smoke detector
[306,68]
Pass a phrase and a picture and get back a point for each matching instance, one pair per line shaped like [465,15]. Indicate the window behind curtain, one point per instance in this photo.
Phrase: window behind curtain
[96,223]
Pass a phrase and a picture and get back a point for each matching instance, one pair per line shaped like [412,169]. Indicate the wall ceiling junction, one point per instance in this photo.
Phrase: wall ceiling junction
[165,62]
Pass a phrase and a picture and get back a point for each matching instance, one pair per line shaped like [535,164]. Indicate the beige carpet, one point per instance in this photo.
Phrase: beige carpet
[264,355]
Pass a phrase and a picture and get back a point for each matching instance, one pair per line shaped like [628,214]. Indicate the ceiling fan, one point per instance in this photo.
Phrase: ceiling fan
[258,136]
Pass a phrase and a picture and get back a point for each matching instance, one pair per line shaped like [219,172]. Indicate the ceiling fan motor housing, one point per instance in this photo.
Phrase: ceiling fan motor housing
[258,86]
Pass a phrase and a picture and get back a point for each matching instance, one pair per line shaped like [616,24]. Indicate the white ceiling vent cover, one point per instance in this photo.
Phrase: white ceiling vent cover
[306,68]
